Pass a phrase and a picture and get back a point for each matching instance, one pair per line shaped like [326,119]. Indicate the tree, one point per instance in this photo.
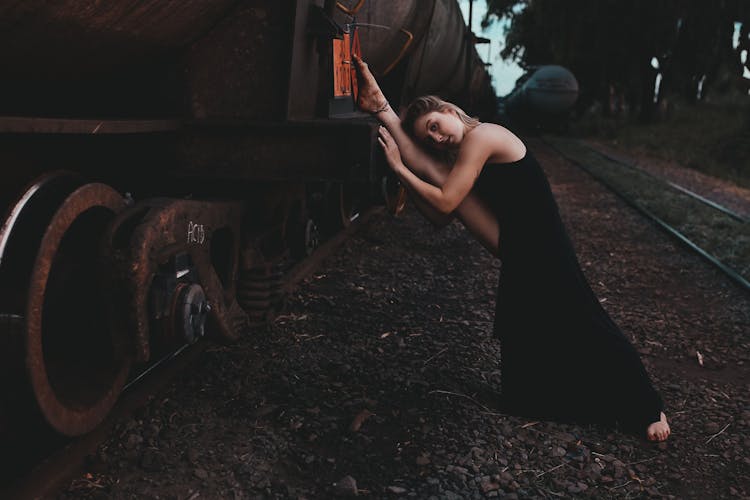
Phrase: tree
[609,44]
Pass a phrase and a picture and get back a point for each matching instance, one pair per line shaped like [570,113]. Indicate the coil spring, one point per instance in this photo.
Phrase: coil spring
[260,291]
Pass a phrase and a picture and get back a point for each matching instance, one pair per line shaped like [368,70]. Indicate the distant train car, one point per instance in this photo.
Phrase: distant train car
[542,98]
[162,162]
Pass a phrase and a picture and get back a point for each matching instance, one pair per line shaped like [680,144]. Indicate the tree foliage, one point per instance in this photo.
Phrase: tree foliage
[609,44]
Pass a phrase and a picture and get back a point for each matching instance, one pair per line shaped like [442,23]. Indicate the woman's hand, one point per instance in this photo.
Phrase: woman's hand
[390,148]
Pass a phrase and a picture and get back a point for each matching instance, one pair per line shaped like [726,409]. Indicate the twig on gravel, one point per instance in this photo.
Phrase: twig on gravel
[620,485]
[643,461]
[550,470]
[535,471]
[465,322]
[713,436]
[434,356]
[87,483]
[307,337]
[553,493]
[487,410]
[292,317]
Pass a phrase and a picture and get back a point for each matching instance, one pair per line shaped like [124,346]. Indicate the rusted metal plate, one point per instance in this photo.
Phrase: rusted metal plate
[241,68]
[31,125]
[198,157]
[290,151]
[130,162]
[305,65]
[342,58]
[37,36]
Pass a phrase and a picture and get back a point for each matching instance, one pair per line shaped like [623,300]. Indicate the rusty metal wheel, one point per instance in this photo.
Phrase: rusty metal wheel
[394,194]
[76,365]
[302,233]
[342,207]
[22,229]
[349,204]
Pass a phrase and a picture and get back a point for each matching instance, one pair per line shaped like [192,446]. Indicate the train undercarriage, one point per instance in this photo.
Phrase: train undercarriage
[164,165]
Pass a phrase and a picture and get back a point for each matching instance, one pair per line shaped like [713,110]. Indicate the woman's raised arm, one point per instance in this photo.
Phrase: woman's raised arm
[472,212]
[372,100]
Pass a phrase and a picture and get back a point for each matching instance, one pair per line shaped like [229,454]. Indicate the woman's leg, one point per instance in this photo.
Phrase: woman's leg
[472,212]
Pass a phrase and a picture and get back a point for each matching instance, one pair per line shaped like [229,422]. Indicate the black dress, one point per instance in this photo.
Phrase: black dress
[562,355]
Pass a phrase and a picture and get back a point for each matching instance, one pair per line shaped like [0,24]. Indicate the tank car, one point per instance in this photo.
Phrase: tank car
[542,98]
[163,161]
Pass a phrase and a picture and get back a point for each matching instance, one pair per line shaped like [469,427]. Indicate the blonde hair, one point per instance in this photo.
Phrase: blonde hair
[429,103]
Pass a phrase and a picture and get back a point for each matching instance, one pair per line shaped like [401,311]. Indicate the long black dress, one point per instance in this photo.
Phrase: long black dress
[562,355]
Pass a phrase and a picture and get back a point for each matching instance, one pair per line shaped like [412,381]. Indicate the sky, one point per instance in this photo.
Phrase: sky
[504,73]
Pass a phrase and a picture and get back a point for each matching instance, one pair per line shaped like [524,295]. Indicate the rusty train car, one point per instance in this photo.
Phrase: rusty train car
[162,161]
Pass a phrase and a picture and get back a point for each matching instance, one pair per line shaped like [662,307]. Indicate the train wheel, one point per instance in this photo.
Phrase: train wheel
[302,234]
[75,364]
[22,229]
[394,195]
[312,237]
[349,204]
[305,238]
[342,207]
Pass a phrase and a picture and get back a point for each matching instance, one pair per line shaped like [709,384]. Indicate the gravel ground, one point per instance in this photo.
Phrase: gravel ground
[381,380]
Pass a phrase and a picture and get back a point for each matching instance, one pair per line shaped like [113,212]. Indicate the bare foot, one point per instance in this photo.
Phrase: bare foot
[370,96]
[658,431]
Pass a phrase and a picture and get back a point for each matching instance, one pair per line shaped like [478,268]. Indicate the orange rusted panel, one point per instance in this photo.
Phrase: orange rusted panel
[356,50]
[342,83]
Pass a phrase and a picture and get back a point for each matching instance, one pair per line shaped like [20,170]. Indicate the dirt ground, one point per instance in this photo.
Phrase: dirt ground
[381,379]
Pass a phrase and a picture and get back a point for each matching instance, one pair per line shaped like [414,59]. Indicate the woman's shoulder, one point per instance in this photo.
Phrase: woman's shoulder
[492,131]
[503,143]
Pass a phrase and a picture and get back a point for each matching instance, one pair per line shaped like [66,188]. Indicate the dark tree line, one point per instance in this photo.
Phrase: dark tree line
[609,45]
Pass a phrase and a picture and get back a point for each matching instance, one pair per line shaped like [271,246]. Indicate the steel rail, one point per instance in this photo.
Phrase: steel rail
[734,275]
[693,194]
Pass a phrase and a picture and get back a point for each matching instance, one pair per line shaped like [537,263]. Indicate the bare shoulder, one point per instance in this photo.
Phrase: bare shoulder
[485,136]
[503,145]
[485,131]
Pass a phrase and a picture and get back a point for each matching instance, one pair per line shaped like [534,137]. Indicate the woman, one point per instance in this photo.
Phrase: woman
[562,356]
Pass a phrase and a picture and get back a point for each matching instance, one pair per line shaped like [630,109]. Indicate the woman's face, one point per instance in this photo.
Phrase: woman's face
[440,129]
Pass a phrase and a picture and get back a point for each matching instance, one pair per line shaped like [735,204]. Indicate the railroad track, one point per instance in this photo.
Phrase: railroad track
[688,192]
[716,233]
[51,468]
